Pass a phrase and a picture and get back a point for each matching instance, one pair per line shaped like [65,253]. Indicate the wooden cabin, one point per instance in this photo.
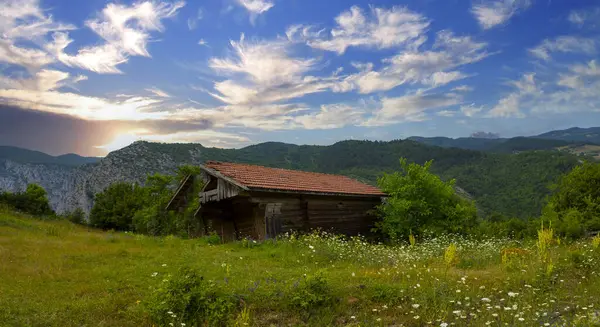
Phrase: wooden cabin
[247,201]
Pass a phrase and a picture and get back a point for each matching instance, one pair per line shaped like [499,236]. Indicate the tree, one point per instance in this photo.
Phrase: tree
[33,201]
[574,206]
[37,200]
[115,207]
[420,201]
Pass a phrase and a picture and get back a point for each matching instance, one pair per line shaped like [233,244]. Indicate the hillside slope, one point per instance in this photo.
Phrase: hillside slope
[511,184]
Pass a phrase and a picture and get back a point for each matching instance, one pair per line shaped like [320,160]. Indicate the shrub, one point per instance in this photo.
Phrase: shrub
[574,206]
[76,216]
[190,299]
[33,201]
[418,200]
[311,293]
[115,207]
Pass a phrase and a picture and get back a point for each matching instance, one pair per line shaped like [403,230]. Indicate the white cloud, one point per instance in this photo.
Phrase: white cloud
[446,113]
[526,89]
[431,68]
[84,107]
[332,116]
[256,7]
[265,73]
[463,88]
[585,17]
[125,30]
[409,108]
[203,42]
[380,29]
[158,92]
[491,13]
[470,110]
[192,22]
[43,80]
[24,20]
[507,107]
[575,90]
[564,44]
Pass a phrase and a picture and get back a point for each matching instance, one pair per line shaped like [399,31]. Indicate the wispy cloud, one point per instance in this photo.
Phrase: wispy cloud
[409,108]
[125,30]
[432,68]
[256,7]
[265,72]
[158,92]
[192,22]
[564,44]
[589,17]
[380,28]
[492,13]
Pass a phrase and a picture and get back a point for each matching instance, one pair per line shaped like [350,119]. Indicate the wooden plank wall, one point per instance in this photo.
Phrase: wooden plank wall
[343,215]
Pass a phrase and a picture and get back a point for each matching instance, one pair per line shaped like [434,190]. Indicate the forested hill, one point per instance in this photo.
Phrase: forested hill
[510,184]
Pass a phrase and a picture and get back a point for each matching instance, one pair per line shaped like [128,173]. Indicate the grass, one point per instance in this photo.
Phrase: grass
[55,273]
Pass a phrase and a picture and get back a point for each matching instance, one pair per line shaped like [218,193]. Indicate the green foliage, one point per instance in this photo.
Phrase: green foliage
[420,201]
[143,209]
[76,216]
[116,206]
[574,207]
[187,298]
[33,201]
[312,292]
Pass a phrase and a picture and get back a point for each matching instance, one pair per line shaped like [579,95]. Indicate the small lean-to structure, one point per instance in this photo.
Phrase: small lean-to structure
[248,201]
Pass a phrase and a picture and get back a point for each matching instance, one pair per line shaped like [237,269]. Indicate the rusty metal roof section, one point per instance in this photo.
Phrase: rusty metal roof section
[259,178]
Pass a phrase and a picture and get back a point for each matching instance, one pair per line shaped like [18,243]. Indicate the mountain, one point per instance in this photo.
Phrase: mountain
[36,157]
[510,184]
[580,141]
[586,135]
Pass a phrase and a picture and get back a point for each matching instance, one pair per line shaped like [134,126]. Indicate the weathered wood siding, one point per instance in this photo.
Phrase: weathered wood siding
[343,215]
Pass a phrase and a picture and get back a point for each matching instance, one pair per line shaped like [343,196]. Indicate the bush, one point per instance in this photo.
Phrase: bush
[33,201]
[419,200]
[311,293]
[574,207]
[115,207]
[76,216]
[190,299]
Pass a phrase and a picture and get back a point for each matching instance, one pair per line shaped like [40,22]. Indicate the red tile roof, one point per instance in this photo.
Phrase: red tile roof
[265,178]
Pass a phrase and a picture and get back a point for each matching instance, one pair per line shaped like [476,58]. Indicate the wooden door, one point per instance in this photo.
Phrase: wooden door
[272,220]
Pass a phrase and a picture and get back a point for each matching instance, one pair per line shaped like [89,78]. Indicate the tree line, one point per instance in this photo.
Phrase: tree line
[419,202]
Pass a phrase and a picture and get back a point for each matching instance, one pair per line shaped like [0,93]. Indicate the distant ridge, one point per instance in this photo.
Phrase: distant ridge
[36,157]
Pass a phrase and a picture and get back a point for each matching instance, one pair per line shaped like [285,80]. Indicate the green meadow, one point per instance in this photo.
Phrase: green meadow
[55,273]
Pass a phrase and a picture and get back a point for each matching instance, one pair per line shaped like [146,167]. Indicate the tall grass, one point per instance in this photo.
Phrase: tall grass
[60,274]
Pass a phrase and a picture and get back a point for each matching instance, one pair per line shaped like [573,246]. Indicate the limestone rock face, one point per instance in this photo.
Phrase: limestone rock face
[71,187]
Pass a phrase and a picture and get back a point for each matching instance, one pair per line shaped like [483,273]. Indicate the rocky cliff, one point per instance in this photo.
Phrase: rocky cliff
[70,187]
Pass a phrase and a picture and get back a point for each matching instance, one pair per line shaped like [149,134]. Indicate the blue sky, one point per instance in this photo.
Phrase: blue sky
[229,73]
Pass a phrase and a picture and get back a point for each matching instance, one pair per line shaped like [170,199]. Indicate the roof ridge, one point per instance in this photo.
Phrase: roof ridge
[285,169]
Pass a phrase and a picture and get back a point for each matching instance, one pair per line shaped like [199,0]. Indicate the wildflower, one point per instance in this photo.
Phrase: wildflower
[311,247]
[494,315]
[352,317]
[521,319]
[485,299]
[353,274]
[416,306]
[512,294]
[444,324]
[154,274]
[182,324]
[378,319]
[416,317]
[164,264]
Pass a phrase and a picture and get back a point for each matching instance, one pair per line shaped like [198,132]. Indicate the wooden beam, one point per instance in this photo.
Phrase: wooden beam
[223,177]
[181,185]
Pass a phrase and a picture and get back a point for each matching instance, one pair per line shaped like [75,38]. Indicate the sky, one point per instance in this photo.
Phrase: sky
[93,76]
